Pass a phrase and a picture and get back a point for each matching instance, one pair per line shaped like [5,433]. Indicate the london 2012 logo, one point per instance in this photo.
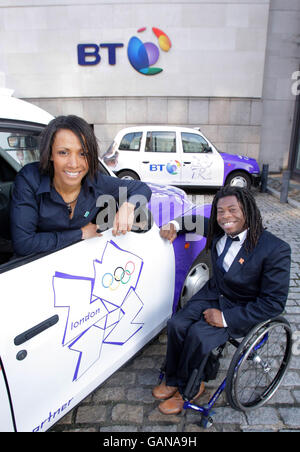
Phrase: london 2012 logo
[143,55]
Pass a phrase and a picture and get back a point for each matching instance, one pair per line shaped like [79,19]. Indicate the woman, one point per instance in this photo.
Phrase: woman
[54,200]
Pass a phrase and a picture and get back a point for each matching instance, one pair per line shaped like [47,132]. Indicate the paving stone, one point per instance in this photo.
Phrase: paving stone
[113,394]
[290,416]
[139,393]
[127,413]
[226,415]
[119,428]
[263,416]
[156,416]
[91,414]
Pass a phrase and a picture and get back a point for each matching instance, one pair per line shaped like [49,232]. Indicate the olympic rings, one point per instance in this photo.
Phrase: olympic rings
[120,276]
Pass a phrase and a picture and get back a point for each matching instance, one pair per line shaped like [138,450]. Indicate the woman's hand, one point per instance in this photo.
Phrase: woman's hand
[124,219]
[89,231]
[168,231]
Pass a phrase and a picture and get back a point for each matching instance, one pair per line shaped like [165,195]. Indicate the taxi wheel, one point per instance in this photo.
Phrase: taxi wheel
[239,179]
[195,279]
[129,175]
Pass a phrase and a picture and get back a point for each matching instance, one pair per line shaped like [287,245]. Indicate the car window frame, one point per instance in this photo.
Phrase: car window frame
[8,125]
[200,137]
[131,133]
[175,151]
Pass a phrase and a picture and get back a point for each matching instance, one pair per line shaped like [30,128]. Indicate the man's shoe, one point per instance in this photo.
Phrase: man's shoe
[163,391]
[175,404]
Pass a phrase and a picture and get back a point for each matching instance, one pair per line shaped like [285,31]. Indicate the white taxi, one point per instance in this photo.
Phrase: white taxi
[177,156]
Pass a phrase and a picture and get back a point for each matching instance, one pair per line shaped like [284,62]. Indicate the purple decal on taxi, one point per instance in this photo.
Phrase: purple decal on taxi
[238,162]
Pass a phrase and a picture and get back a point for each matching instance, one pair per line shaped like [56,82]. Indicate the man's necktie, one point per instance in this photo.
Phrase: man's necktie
[228,242]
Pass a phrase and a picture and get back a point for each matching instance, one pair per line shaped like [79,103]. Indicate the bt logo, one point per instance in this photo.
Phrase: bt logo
[172,168]
[142,56]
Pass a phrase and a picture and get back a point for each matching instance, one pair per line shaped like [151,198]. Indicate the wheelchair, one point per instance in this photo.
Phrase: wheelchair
[255,372]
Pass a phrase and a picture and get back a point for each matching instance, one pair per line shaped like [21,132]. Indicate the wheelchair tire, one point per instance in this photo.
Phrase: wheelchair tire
[259,365]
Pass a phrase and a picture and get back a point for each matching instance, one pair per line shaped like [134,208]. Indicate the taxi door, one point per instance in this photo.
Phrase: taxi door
[159,162]
[201,163]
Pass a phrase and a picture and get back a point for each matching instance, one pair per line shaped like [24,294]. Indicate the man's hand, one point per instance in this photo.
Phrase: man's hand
[89,231]
[214,317]
[124,219]
[168,231]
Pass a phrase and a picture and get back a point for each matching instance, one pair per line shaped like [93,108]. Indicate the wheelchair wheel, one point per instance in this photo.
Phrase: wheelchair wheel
[259,365]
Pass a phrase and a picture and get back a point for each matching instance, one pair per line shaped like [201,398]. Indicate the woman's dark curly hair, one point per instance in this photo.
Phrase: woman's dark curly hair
[82,130]
[250,210]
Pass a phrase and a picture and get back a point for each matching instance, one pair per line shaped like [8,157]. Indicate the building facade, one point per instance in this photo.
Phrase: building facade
[228,67]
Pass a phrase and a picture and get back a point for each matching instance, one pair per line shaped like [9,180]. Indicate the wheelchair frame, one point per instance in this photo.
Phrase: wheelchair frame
[247,351]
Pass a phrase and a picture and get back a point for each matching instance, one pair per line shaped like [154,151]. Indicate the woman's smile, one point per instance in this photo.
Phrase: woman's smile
[69,160]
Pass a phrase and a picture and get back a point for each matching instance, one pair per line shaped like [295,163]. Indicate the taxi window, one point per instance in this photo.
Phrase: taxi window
[131,142]
[192,143]
[19,147]
[161,142]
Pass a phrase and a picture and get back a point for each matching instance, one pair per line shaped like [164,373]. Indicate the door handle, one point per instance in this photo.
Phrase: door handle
[35,330]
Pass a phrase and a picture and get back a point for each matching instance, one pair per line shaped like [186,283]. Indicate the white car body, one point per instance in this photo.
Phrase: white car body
[16,109]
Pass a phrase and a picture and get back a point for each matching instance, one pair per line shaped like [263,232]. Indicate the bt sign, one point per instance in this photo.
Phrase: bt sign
[88,54]
[141,55]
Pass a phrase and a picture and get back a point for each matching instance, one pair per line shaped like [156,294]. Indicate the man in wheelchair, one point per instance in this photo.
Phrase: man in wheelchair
[250,282]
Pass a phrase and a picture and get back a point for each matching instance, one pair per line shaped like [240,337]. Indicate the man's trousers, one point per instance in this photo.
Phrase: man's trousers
[190,339]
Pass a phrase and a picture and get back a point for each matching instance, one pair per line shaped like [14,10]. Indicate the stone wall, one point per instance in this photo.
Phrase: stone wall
[233,125]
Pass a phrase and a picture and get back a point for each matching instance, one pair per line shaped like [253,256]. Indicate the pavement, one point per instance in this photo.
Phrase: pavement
[274,186]
[124,402]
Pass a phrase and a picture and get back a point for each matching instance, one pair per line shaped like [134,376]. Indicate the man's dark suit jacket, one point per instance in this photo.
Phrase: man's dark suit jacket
[255,288]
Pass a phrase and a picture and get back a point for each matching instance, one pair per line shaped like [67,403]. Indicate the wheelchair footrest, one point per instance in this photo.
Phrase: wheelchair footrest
[206,413]
[207,421]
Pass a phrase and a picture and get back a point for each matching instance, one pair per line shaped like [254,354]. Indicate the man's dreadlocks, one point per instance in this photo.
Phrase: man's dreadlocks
[250,210]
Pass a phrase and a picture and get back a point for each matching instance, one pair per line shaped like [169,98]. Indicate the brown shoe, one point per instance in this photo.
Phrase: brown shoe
[163,391]
[175,404]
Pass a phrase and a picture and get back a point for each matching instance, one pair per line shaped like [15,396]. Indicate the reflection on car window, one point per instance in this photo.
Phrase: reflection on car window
[131,142]
[20,147]
[193,143]
[161,142]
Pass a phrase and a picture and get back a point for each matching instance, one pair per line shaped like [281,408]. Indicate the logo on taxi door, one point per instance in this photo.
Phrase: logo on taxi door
[171,167]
